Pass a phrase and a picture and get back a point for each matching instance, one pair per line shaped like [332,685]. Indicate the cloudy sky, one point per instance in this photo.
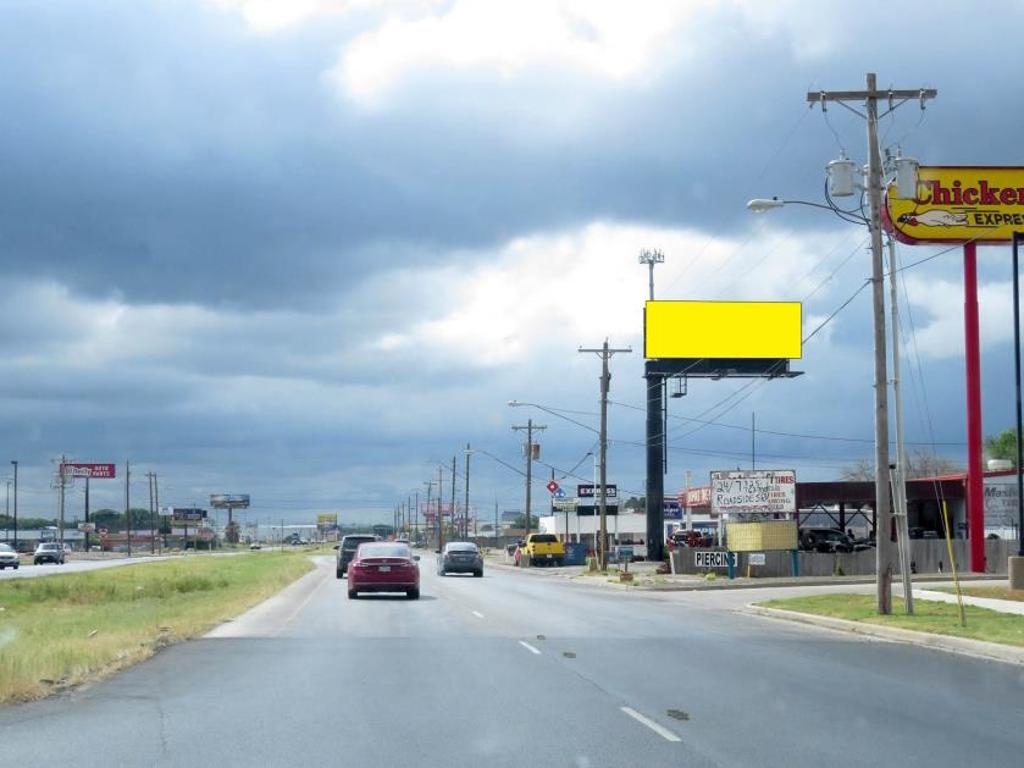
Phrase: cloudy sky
[309,249]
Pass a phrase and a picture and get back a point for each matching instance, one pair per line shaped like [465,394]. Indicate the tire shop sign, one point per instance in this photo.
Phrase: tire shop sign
[762,491]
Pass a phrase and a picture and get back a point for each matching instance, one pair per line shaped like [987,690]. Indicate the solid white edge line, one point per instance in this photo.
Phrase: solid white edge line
[661,730]
[478,614]
[529,647]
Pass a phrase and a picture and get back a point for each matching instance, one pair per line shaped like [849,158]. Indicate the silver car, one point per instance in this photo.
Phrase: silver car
[8,557]
[461,557]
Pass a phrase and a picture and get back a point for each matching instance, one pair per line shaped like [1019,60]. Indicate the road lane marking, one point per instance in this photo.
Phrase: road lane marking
[529,647]
[661,730]
[478,614]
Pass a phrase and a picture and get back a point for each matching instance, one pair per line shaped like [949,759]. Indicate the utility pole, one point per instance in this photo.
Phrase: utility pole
[605,353]
[60,495]
[466,504]
[416,518]
[530,428]
[156,501]
[454,520]
[884,560]
[150,476]
[440,510]
[15,463]
[430,486]
[127,503]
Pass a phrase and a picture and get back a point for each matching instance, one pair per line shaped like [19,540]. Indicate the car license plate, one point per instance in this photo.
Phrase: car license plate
[384,568]
[548,556]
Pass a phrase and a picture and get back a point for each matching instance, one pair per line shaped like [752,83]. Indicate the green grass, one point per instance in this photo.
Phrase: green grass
[63,630]
[929,616]
[997,593]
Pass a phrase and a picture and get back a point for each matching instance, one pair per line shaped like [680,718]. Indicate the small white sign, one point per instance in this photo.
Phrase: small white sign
[756,558]
[762,491]
[711,558]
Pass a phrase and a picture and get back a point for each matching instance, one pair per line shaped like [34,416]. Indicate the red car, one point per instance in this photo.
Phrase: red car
[384,566]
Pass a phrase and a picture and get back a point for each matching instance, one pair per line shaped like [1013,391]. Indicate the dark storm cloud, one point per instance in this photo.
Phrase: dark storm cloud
[160,151]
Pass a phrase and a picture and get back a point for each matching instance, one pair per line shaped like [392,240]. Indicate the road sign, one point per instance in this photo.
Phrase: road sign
[79,469]
[560,493]
[712,558]
[761,491]
[552,487]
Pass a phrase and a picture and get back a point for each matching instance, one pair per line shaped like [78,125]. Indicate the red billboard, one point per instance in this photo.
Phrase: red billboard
[78,469]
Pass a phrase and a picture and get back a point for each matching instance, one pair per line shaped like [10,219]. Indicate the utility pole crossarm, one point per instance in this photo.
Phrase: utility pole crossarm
[814,97]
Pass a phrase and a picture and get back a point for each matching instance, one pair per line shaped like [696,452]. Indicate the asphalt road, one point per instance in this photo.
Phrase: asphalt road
[71,566]
[514,670]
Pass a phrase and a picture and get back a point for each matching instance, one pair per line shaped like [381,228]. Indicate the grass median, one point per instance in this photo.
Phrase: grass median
[63,630]
[929,616]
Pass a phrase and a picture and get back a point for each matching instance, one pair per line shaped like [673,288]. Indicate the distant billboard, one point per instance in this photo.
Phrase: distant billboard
[80,469]
[722,330]
[187,515]
[327,519]
[229,500]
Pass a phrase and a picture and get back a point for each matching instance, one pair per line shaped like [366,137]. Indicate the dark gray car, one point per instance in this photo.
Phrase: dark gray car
[461,557]
[347,550]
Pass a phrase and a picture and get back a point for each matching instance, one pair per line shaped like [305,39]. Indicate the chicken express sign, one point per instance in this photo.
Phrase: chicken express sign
[958,204]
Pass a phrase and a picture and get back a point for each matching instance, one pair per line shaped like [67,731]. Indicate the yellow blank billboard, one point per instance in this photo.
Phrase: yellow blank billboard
[722,329]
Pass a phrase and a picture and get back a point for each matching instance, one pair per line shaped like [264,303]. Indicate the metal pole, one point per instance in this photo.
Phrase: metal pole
[655,485]
[152,522]
[440,515]
[60,481]
[883,533]
[1016,368]
[529,472]
[87,513]
[127,503]
[753,441]
[416,517]
[605,377]
[453,496]
[156,504]
[899,478]
[466,505]
[972,355]
[15,463]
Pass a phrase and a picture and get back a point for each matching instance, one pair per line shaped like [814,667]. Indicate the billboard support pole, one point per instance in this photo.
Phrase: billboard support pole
[87,513]
[975,483]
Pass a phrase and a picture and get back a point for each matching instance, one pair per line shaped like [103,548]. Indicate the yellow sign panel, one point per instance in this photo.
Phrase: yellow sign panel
[327,518]
[758,537]
[957,204]
[722,329]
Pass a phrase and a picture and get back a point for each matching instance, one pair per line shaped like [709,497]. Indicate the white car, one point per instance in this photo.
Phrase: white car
[8,557]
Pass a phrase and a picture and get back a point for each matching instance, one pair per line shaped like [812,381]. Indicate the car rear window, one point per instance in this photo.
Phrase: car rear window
[353,542]
[462,547]
[5,548]
[544,538]
[384,549]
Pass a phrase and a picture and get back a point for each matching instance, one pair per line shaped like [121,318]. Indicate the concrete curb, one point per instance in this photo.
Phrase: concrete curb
[979,649]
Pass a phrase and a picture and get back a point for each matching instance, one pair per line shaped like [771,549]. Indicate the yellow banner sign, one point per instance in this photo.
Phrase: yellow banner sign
[327,518]
[958,204]
[722,329]
[756,537]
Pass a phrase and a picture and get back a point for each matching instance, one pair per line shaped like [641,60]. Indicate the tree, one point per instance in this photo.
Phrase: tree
[921,462]
[1002,446]
[635,505]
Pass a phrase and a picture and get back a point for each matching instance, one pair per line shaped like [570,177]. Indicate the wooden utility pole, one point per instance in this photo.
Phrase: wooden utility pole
[884,550]
[605,353]
[530,428]
[465,510]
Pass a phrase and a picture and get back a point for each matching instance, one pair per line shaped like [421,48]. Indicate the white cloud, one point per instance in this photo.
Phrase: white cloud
[939,316]
[606,38]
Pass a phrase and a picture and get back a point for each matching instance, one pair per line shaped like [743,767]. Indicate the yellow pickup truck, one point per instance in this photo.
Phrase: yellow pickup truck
[544,549]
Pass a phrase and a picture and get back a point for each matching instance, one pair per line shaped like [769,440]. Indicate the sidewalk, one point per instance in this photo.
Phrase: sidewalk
[993,604]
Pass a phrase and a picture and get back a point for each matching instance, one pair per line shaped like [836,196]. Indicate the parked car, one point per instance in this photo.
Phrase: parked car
[544,549]
[461,557]
[49,552]
[825,540]
[384,566]
[8,557]
[347,550]
[255,545]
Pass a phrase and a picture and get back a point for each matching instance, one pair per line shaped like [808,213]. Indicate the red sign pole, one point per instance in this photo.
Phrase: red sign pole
[975,478]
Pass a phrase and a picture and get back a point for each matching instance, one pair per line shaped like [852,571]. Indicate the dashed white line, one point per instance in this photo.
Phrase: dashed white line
[661,730]
[478,614]
[529,647]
